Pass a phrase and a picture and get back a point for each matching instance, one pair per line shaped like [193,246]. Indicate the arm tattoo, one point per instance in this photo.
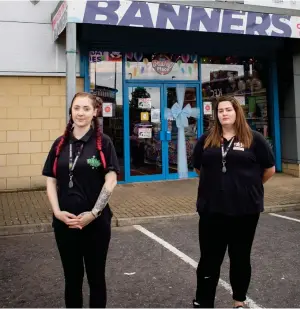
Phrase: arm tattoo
[101,202]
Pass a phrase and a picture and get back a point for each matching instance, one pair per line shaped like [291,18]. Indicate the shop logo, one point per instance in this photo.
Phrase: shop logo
[162,64]
[93,162]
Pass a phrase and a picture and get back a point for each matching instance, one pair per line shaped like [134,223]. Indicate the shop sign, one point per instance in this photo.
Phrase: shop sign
[145,132]
[98,56]
[95,56]
[144,103]
[107,110]
[183,17]
[59,19]
[162,64]
[207,108]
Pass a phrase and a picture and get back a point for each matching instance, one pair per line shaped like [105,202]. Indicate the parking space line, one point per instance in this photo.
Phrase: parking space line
[189,261]
[284,217]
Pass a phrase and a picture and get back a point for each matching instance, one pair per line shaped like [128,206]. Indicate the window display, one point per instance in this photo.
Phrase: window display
[245,79]
[161,66]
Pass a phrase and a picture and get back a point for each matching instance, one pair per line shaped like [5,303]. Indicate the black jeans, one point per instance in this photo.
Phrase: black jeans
[216,233]
[88,247]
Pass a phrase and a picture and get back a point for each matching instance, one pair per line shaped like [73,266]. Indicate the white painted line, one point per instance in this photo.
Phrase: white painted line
[284,217]
[190,261]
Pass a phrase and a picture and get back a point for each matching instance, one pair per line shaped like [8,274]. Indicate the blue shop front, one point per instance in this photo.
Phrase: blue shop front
[159,69]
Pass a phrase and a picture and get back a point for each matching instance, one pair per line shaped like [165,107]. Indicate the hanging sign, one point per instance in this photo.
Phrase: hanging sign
[59,19]
[144,103]
[107,109]
[145,132]
[207,108]
[162,64]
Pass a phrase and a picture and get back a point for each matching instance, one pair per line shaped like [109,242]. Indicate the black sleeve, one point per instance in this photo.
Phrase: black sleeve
[112,163]
[48,166]
[263,151]
[197,153]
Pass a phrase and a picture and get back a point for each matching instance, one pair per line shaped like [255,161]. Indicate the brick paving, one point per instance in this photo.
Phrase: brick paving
[138,200]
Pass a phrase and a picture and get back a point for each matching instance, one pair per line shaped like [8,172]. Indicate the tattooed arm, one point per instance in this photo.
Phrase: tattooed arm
[112,166]
[105,194]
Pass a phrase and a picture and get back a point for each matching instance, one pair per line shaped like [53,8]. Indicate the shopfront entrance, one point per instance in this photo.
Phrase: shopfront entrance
[151,130]
[152,97]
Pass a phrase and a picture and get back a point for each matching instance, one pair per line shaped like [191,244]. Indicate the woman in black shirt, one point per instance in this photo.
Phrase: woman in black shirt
[81,170]
[233,163]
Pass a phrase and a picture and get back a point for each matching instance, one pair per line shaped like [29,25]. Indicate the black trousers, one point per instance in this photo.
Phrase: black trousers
[87,247]
[216,233]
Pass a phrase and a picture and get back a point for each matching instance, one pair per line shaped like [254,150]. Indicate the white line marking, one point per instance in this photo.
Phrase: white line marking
[129,274]
[189,261]
[284,217]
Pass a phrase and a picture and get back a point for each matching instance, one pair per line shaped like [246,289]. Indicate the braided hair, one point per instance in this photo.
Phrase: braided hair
[99,142]
[68,130]
[61,143]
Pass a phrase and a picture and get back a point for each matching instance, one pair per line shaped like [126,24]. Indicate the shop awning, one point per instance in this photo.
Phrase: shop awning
[59,19]
[176,17]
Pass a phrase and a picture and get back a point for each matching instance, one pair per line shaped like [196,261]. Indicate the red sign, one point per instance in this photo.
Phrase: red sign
[207,108]
[107,109]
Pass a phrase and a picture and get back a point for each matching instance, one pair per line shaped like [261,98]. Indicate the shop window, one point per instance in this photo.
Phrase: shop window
[105,73]
[161,66]
[244,78]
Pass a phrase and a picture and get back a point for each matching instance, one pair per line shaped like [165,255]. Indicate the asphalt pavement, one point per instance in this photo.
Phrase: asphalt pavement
[153,266]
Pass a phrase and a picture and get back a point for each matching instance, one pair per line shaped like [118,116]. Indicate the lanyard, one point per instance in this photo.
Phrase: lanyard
[73,164]
[224,153]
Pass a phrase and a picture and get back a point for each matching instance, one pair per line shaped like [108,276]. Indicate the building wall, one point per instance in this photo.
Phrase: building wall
[32,91]
[27,46]
[289,99]
[291,166]
[33,115]
[274,7]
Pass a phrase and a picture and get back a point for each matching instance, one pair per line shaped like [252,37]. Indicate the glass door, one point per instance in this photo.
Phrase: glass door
[190,133]
[145,159]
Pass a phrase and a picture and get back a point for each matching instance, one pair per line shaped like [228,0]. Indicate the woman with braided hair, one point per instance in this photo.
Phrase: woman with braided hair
[81,170]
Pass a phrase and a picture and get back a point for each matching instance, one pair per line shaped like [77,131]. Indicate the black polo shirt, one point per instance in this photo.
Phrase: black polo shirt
[88,175]
[240,190]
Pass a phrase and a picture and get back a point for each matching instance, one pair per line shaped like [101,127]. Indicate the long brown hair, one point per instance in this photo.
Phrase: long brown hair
[242,129]
[63,140]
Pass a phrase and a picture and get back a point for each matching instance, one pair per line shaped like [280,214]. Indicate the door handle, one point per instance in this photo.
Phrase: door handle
[165,136]
[168,136]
